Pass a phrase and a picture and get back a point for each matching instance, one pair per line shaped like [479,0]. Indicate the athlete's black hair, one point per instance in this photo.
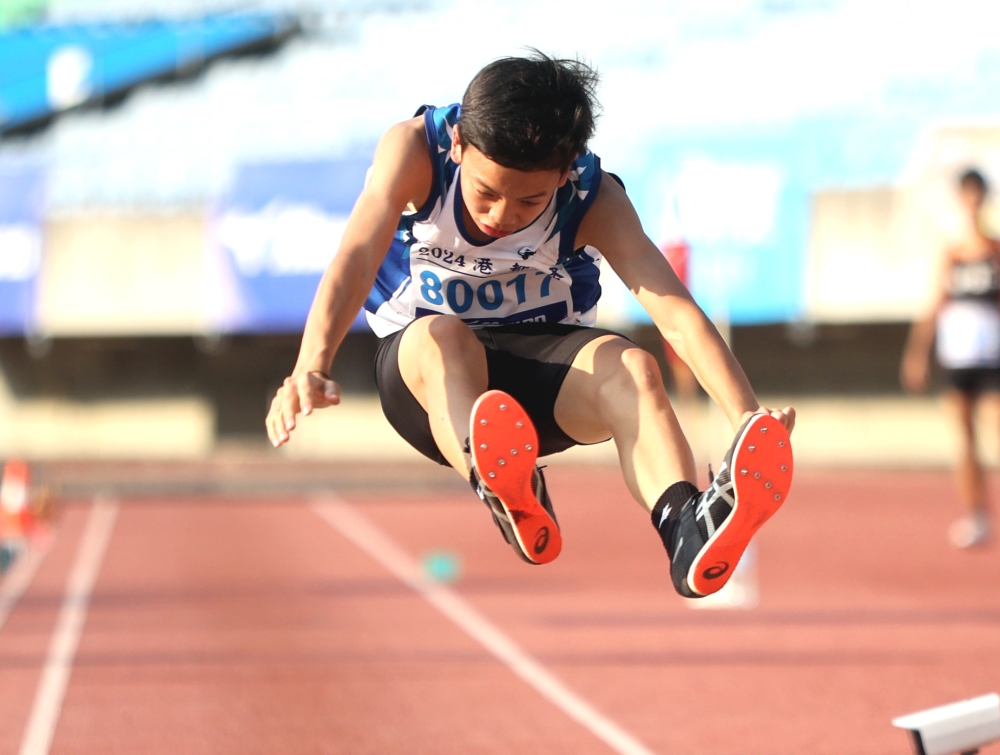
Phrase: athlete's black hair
[531,113]
[972,178]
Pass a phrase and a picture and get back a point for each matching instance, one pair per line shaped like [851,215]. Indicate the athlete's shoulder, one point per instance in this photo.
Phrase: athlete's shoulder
[611,218]
[404,142]
[611,196]
[402,167]
[436,126]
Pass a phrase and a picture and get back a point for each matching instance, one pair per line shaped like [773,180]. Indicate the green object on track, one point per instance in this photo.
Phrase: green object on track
[442,566]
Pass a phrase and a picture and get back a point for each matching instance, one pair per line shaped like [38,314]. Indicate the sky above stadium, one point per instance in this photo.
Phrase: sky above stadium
[874,74]
[722,64]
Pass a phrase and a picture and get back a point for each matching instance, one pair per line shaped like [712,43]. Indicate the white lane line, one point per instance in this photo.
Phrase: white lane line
[69,626]
[368,537]
[19,579]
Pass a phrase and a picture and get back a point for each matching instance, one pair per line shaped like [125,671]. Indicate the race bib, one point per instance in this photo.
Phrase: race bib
[485,291]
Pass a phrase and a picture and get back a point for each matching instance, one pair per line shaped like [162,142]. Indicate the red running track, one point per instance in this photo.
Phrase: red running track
[254,626]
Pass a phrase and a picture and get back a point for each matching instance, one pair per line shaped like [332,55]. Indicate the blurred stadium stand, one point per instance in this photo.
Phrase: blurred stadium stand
[143,263]
[47,70]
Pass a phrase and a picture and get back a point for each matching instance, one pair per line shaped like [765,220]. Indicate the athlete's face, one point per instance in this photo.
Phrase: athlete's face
[972,199]
[499,200]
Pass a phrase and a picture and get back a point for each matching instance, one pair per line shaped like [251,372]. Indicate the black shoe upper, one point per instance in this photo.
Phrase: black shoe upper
[686,518]
[674,517]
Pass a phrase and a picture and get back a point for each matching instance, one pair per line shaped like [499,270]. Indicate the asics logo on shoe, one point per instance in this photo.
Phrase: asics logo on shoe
[541,540]
[715,571]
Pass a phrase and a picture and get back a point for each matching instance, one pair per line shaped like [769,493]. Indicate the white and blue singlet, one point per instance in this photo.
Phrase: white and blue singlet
[534,275]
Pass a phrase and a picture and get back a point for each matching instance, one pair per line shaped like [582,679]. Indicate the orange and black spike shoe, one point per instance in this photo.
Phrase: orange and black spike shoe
[706,536]
[504,446]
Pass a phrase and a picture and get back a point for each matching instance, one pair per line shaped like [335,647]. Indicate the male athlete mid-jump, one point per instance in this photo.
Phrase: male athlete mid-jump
[475,249]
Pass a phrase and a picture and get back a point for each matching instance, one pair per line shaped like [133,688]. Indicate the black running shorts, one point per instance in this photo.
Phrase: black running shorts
[527,360]
[974,380]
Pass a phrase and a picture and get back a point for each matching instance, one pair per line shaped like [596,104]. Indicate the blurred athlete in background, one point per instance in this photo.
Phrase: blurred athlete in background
[475,249]
[965,322]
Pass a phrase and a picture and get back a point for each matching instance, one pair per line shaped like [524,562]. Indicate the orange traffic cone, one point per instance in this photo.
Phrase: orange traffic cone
[14,486]
[15,515]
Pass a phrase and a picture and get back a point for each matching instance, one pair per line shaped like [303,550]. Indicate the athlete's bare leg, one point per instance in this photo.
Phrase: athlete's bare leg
[444,366]
[614,389]
[968,472]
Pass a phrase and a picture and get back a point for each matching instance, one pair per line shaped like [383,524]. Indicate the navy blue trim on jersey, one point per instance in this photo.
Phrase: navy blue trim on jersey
[585,289]
[571,203]
[567,233]
[549,313]
[430,131]
[395,267]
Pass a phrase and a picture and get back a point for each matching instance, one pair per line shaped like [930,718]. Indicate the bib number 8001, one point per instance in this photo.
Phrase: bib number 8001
[460,294]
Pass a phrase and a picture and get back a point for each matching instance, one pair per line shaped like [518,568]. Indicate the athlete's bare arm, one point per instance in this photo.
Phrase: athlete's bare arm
[612,226]
[401,176]
[914,371]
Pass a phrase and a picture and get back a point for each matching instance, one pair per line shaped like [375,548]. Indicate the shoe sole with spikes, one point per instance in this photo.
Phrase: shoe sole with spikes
[504,447]
[760,462]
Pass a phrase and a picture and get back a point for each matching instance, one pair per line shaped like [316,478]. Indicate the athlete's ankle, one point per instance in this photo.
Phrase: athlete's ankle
[669,504]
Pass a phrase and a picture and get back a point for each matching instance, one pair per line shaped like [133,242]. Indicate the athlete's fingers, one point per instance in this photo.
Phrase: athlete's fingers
[788,420]
[322,392]
[304,385]
[785,416]
[330,392]
[290,404]
[276,432]
[274,423]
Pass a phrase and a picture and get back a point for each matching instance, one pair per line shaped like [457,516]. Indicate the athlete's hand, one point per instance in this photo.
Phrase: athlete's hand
[299,393]
[785,416]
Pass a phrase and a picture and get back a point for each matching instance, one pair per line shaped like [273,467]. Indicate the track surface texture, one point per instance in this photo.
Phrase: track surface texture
[252,625]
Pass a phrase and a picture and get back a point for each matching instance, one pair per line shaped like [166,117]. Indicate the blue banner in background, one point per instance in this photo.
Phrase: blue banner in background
[22,204]
[272,236]
[49,68]
[742,204]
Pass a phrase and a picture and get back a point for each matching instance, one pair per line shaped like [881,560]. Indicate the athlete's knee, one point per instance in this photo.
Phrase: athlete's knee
[446,337]
[448,331]
[637,373]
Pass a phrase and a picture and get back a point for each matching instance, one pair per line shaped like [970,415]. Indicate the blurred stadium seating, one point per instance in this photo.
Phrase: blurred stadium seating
[50,69]
[811,184]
